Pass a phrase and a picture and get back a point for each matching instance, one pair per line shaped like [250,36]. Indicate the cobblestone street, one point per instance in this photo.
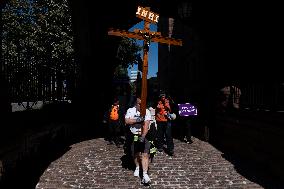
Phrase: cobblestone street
[94,164]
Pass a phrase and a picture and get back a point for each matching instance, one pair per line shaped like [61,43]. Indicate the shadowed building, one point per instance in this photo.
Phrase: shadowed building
[216,52]
[180,70]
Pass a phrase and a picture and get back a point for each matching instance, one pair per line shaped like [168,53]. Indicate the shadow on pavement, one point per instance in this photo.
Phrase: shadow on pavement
[28,171]
[127,162]
[31,140]
[254,172]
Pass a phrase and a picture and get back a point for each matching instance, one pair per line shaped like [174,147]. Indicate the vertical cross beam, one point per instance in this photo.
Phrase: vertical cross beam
[147,36]
[144,71]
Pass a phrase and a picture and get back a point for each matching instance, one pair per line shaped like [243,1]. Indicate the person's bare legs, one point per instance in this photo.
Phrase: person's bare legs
[145,166]
[145,162]
[137,159]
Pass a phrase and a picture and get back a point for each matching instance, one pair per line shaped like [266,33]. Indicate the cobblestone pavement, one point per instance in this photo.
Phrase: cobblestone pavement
[94,164]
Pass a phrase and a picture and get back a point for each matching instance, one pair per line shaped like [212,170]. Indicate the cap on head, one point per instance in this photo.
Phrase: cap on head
[162,93]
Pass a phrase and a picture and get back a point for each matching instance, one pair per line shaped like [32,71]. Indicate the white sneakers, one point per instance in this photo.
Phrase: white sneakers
[136,172]
[146,179]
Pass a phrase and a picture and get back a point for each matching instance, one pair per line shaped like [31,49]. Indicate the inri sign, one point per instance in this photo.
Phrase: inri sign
[146,14]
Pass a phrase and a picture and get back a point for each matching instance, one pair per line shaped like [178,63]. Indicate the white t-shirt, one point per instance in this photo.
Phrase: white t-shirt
[132,113]
[153,120]
[152,111]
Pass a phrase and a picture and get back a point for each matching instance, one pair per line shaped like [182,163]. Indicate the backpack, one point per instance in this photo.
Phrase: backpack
[114,113]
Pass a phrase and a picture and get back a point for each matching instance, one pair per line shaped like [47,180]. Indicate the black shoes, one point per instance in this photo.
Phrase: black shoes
[160,150]
[187,141]
[171,153]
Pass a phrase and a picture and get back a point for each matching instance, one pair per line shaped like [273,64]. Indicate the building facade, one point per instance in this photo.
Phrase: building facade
[180,67]
[133,75]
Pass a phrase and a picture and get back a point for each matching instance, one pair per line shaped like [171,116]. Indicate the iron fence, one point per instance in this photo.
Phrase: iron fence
[38,80]
[263,96]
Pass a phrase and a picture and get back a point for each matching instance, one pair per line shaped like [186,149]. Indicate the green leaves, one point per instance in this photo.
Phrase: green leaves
[128,52]
[39,30]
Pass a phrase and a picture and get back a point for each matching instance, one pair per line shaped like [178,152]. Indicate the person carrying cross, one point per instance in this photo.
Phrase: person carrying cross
[140,146]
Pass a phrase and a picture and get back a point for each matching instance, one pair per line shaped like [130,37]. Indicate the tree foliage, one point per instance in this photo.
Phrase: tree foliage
[128,52]
[38,30]
[54,29]
[37,42]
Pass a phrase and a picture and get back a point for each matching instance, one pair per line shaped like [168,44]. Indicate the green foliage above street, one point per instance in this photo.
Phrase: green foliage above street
[37,47]
[38,30]
[128,53]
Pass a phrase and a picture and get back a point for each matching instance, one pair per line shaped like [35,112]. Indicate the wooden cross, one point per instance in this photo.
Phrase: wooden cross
[147,36]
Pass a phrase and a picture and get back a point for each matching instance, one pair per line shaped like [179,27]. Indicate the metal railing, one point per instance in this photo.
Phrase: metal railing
[37,81]
[262,96]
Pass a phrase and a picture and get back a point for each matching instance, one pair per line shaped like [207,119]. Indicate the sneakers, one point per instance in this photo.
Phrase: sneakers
[136,172]
[146,179]
[189,142]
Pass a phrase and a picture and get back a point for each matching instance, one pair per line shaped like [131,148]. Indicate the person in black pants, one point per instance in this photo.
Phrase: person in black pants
[185,131]
[113,119]
[164,125]
[187,115]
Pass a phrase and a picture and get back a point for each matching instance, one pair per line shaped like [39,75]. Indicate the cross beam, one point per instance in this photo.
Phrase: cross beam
[147,36]
[140,35]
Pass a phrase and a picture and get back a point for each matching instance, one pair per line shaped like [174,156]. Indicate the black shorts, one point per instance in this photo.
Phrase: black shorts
[143,147]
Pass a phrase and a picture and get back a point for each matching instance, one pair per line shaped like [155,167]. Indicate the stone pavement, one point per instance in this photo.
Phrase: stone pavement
[94,164]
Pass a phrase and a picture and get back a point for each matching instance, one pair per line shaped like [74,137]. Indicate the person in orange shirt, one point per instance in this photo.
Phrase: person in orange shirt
[164,128]
[114,121]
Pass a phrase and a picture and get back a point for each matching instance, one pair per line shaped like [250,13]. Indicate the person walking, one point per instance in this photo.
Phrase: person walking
[140,146]
[163,120]
[187,116]
[114,123]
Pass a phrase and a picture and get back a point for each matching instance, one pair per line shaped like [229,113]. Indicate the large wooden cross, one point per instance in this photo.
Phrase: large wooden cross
[147,36]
